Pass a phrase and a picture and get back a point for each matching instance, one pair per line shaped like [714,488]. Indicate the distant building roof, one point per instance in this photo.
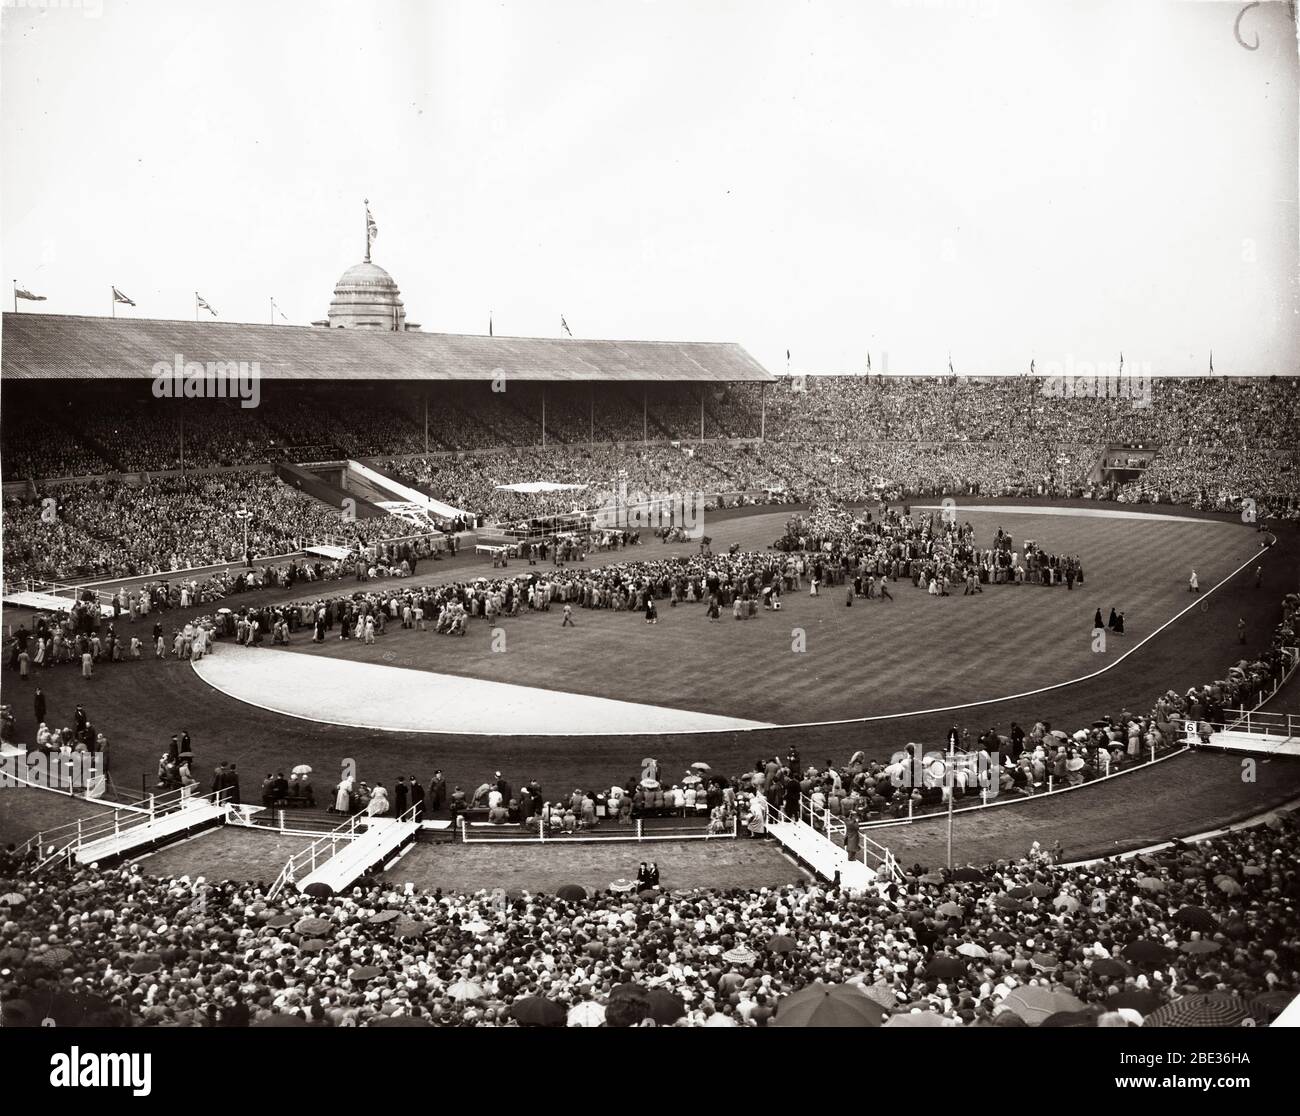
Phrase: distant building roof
[58,346]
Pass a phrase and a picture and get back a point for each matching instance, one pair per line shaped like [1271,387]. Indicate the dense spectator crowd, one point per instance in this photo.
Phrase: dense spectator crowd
[114,529]
[1222,442]
[1146,940]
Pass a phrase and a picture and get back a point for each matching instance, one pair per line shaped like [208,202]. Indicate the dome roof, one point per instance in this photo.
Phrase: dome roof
[366,297]
[366,275]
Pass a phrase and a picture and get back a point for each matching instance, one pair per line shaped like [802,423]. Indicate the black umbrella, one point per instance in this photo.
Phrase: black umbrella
[574,893]
[945,967]
[968,875]
[535,1011]
[1146,954]
[1198,918]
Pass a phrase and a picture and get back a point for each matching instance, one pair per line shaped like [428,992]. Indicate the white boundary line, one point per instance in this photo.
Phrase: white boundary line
[1200,598]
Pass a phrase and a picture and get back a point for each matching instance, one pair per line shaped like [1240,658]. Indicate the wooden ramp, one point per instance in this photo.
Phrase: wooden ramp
[382,839]
[148,832]
[821,854]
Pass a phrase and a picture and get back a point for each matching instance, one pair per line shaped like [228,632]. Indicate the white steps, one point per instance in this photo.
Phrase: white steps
[133,837]
[822,855]
[382,838]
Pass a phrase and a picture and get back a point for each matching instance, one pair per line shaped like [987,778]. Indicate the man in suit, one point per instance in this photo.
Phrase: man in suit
[232,784]
[400,793]
[417,798]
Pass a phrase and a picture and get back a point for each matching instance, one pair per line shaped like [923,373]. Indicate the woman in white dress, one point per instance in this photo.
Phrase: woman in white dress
[378,805]
[343,796]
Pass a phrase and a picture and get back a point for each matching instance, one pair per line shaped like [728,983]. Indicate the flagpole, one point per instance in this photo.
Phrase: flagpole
[15,296]
[112,305]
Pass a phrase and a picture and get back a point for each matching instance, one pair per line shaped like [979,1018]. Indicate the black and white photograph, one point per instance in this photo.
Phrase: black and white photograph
[535,514]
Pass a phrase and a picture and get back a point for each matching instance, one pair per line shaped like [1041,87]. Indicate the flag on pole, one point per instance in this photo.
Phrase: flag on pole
[23,292]
[868,362]
[372,230]
[1211,361]
[118,296]
[203,304]
[950,371]
[489,324]
[565,326]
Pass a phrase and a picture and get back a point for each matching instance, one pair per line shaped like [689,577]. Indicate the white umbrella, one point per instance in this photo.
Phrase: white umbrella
[586,1014]
[302,769]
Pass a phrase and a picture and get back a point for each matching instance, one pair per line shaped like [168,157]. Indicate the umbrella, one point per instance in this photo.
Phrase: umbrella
[1007,903]
[596,949]
[1253,870]
[1135,999]
[1085,1018]
[1199,947]
[318,890]
[1048,962]
[302,769]
[932,878]
[1109,967]
[464,990]
[1002,937]
[1146,954]
[968,875]
[970,949]
[312,926]
[1150,883]
[401,1021]
[951,910]
[572,892]
[1059,734]
[146,963]
[1020,893]
[587,1014]
[1040,890]
[740,956]
[1198,918]
[917,1019]
[1269,1005]
[535,1011]
[945,967]
[781,943]
[883,994]
[828,1005]
[1227,885]
[13,899]
[665,1007]
[410,928]
[278,922]
[381,917]
[364,973]
[313,945]
[1201,1009]
[1066,903]
[717,1019]
[1034,1004]
[627,990]
[56,956]
[700,767]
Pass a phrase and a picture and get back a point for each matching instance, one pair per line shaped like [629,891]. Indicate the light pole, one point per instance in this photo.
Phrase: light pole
[243,513]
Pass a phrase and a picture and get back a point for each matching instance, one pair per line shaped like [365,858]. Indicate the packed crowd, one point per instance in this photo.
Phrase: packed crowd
[113,529]
[853,438]
[1187,934]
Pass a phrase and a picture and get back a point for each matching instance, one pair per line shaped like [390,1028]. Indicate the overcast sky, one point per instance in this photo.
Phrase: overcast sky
[995,178]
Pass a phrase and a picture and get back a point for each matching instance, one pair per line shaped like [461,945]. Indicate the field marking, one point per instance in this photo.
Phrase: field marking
[425,701]
[1082,513]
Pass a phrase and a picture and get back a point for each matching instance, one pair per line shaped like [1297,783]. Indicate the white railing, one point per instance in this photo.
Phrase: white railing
[830,825]
[519,834]
[313,856]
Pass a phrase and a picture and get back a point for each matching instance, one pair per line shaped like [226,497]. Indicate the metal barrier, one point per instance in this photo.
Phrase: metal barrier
[516,835]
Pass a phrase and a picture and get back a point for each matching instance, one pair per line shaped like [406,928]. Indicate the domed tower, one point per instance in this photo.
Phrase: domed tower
[366,296]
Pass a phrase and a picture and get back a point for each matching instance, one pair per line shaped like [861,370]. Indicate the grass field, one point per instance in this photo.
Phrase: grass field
[139,705]
[230,852]
[682,865]
[875,658]
[24,812]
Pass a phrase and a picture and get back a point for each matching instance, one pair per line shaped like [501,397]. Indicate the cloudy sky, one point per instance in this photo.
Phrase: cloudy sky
[995,178]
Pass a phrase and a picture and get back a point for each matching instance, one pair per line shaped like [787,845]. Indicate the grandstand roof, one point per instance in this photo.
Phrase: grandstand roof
[58,346]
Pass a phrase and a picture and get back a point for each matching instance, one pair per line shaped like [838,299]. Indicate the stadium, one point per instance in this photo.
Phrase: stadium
[366,674]
[433,558]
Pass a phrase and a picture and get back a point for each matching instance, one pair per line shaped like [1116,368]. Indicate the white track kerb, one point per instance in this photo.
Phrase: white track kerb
[399,699]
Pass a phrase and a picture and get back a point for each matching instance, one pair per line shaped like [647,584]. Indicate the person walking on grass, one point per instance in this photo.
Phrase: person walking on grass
[567,622]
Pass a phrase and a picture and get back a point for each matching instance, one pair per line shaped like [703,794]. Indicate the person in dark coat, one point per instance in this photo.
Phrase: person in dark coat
[1096,621]
[38,700]
[437,791]
[417,797]
[400,793]
[1113,622]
